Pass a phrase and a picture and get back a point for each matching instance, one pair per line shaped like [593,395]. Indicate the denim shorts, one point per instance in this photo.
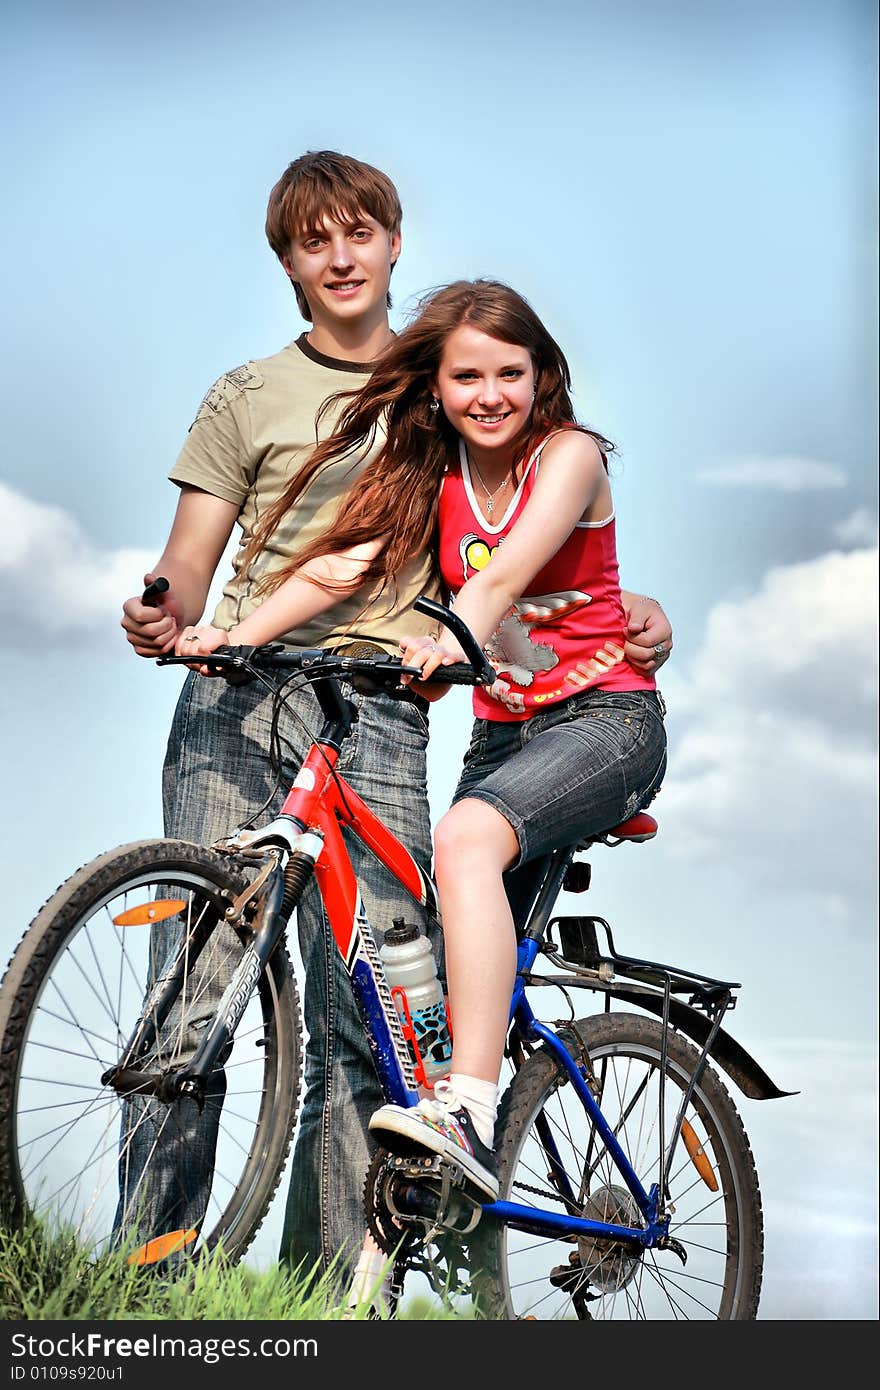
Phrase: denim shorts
[575,770]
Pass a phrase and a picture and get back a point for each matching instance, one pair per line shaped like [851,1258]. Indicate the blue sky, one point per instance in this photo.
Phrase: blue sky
[686,193]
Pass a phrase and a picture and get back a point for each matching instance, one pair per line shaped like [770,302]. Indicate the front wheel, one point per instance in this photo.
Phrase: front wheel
[123,1169]
[717,1204]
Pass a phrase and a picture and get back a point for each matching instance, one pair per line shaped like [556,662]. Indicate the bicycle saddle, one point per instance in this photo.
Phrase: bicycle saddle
[637,828]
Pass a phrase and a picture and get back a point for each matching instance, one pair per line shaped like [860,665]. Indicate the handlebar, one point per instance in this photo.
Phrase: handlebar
[483,672]
[153,592]
[239,665]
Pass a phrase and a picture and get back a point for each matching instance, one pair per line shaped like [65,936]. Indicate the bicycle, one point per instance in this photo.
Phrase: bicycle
[627,1185]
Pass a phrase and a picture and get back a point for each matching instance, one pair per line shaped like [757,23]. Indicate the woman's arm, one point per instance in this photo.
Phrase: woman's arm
[320,585]
[570,480]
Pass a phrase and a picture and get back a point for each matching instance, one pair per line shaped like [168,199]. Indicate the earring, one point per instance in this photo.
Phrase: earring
[435,404]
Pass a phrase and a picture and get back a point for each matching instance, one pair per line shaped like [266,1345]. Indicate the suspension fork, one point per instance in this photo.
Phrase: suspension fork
[276,894]
[277,898]
[162,996]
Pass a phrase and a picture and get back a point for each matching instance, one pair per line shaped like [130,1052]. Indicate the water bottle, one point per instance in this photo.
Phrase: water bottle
[409,965]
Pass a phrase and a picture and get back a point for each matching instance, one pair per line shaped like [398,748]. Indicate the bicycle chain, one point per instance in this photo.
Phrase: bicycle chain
[552,1196]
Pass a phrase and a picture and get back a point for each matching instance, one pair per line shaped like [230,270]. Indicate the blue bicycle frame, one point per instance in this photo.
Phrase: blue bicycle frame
[550,1223]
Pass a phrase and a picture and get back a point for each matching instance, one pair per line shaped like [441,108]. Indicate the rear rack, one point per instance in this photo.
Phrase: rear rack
[579,949]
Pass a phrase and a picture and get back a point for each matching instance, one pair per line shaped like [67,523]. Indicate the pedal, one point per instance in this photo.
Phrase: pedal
[415,1166]
[427,1189]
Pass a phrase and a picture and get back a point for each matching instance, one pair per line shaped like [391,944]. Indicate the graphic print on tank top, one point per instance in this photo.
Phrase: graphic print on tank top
[511,648]
[564,637]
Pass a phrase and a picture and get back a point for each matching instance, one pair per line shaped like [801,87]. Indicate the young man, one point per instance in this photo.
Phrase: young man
[334,224]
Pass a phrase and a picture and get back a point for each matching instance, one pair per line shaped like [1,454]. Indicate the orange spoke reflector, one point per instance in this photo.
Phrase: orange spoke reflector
[150,912]
[160,1247]
[698,1156]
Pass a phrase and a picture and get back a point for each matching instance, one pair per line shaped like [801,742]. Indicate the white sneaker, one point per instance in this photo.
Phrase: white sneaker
[442,1126]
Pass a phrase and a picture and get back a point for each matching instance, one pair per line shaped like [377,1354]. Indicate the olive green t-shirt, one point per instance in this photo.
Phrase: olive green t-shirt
[253,431]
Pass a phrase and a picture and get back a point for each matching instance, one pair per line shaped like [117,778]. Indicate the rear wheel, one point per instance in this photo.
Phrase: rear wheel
[716,1221]
[121,1170]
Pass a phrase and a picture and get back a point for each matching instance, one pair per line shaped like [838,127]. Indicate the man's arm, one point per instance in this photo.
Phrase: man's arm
[202,525]
[648,629]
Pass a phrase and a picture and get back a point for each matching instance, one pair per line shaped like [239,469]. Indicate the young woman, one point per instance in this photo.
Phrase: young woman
[483,460]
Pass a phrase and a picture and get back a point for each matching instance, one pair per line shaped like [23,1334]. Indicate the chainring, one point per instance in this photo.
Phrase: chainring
[388,1235]
[444,1258]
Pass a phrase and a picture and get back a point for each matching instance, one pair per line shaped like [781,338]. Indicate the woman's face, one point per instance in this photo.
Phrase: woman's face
[486,388]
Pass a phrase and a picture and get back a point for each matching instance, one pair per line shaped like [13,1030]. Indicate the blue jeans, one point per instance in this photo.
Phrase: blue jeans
[581,767]
[216,776]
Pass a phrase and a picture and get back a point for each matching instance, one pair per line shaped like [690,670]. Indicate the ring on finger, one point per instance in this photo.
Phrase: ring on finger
[659,650]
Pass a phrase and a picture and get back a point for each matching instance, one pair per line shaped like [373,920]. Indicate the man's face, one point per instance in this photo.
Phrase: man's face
[343,268]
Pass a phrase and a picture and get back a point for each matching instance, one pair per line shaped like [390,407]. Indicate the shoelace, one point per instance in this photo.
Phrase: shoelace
[441,1105]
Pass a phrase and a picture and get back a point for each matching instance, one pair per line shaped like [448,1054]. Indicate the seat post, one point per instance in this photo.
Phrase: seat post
[544,903]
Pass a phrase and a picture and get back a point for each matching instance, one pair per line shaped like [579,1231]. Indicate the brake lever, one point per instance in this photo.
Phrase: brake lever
[368,682]
[234,667]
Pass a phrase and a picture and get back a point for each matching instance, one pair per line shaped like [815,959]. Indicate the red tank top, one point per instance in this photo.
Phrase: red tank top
[568,633]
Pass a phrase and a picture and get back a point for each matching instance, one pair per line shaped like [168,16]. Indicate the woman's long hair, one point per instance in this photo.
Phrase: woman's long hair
[396,494]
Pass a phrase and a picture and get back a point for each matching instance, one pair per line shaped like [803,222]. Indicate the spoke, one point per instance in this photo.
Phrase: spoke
[65,1052]
[86,1110]
[57,1105]
[665,1280]
[67,1183]
[53,1081]
[74,1023]
[54,983]
[661,1282]
[523,1285]
[712,1202]
[237,1115]
[709,1249]
[98,967]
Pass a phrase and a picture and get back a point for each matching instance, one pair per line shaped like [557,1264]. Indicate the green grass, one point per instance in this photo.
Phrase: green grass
[45,1276]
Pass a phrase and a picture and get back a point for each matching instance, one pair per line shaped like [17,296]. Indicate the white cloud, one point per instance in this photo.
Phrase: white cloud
[832,1124]
[772,757]
[859,528]
[782,473]
[56,582]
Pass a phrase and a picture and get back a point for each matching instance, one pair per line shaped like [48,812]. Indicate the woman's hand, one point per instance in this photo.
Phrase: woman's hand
[648,634]
[428,655]
[201,641]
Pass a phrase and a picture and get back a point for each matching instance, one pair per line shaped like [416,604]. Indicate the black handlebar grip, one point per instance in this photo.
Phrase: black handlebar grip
[152,593]
[459,673]
[479,662]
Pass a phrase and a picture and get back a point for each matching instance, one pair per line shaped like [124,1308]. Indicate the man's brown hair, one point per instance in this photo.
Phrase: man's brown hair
[324,184]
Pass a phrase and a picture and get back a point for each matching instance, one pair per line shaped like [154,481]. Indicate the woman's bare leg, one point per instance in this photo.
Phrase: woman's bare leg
[473,846]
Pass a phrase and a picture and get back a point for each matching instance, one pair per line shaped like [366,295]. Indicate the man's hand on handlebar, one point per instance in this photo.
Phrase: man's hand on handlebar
[152,620]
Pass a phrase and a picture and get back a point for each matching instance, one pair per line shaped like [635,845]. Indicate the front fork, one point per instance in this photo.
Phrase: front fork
[277,888]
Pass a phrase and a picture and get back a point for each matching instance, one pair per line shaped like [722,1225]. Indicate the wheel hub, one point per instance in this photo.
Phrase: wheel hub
[605,1263]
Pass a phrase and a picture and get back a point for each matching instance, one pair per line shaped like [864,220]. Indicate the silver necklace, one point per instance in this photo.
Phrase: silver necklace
[490,496]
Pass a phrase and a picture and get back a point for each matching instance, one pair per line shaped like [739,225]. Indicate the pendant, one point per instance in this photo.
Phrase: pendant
[490,505]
